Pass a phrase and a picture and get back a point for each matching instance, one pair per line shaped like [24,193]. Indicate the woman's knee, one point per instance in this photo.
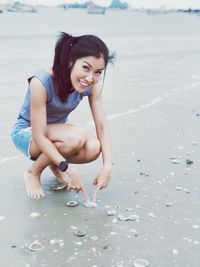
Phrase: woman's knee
[72,141]
[93,147]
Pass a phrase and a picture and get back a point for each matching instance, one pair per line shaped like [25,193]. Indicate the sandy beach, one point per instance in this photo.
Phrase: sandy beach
[152,103]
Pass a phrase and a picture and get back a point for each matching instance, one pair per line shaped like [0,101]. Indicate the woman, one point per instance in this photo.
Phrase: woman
[42,132]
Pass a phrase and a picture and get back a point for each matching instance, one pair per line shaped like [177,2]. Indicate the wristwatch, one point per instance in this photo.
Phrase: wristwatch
[63,166]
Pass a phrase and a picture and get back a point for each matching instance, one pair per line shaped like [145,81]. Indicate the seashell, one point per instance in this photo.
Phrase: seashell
[122,217]
[186,190]
[168,204]
[59,187]
[72,203]
[79,233]
[176,161]
[178,188]
[94,237]
[114,220]
[172,157]
[133,217]
[35,246]
[34,214]
[111,212]
[140,263]
[90,204]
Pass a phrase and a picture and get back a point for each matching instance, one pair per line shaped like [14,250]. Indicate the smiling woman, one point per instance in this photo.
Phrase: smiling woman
[42,131]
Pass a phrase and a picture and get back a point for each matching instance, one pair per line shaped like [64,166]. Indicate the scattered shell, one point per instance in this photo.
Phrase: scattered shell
[133,217]
[194,143]
[92,251]
[176,161]
[114,220]
[186,190]
[174,251]
[89,204]
[34,214]
[195,226]
[72,203]
[35,246]
[60,187]
[94,237]
[168,204]
[172,157]
[196,243]
[79,232]
[122,217]
[178,188]
[140,263]
[111,212]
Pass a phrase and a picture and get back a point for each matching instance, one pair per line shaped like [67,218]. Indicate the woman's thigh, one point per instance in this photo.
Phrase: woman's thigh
[63,135]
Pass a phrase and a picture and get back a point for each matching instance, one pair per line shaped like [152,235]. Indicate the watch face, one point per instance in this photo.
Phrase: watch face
[63,166]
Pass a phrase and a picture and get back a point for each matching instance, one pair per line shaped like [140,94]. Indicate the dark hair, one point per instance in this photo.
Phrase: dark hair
[67,50]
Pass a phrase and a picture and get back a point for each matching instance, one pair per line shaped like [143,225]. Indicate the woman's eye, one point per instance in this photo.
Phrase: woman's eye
[85,68]
[99,72]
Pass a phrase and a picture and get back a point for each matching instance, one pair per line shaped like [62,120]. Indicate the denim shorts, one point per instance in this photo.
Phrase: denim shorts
[22,136]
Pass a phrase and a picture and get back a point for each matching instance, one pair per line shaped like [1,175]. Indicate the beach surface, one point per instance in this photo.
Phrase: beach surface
[151,97]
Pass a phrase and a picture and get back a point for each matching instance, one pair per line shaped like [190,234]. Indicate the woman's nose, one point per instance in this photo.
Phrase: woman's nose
[89,78]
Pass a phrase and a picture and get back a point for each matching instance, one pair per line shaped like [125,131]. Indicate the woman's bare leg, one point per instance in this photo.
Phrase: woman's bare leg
[72,143]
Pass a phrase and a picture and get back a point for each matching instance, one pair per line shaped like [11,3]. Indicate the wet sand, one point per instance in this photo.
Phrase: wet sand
[146,136]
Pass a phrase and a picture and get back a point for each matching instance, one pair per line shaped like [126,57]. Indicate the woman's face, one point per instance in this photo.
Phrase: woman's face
[86,72]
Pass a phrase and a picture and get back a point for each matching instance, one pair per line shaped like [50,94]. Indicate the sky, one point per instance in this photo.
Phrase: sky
[133,3]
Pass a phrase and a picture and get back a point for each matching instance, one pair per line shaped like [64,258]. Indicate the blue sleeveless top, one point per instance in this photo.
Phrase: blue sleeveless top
[57,111]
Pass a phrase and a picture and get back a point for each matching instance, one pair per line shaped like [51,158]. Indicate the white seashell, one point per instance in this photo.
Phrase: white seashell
[35,246]
[176,161]
[34,214]
[174,251]
[114,220]
[90,204]
[60,187]
[72,203]
[195,226]
[168,204]
[122,217]
[172,157]
[94,237]
[178,188]
[111,212]
[140,263]
[79,232]
[196,243]
[186,190]
[133,217]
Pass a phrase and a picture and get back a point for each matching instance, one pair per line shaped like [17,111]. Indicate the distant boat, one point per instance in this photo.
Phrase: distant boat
[94,9]
[1,9]
[18,7]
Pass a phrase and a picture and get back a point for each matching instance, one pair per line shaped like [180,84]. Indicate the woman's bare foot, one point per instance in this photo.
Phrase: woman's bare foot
[33,186]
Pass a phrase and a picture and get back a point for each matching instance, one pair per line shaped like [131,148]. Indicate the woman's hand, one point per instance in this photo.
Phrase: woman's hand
[75,182]
[101,180]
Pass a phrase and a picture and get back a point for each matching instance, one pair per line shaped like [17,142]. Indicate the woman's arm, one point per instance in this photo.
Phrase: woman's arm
[97,108]
[38,96]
